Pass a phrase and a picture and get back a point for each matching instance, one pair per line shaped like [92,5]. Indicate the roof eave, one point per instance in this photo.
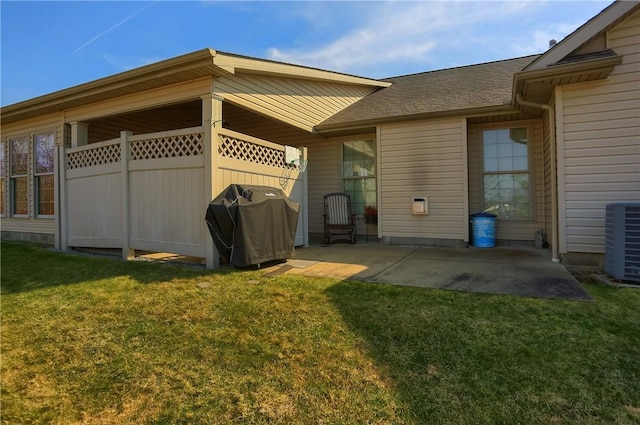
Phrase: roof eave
[537,85]
[200,64]
[374,122]
[175,70]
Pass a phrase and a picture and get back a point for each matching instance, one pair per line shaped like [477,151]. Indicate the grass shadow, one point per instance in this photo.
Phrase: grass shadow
[54,268]
[471,358]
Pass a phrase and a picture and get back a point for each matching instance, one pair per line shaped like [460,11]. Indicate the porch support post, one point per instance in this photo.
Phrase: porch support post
[379,182]
[127,252]
[60,188]
[79,133]
[211,121]
[305,199]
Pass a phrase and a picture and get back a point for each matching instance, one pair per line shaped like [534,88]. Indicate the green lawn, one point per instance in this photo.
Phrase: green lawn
[101,341]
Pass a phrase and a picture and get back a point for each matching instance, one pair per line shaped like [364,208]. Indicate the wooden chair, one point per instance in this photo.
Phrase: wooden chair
[339,222]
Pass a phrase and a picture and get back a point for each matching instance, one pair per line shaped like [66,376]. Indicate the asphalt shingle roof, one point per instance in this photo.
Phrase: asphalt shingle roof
[474,86]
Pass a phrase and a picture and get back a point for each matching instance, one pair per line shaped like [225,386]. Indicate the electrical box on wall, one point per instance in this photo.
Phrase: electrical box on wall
[419,206]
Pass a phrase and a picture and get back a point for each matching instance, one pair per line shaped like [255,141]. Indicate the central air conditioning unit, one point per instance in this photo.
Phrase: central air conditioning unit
[622,241]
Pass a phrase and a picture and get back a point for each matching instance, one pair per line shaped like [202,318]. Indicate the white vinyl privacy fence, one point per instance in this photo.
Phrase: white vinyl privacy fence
[147,192]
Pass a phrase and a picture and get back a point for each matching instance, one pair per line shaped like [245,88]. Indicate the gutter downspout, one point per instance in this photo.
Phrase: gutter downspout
[554,171]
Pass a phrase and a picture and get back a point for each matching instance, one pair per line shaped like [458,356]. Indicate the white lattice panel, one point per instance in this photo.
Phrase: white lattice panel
[231,147]
[167,147]
[102,155]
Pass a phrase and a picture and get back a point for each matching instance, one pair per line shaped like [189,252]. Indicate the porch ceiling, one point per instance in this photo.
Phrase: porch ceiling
[189,114]
[171,117]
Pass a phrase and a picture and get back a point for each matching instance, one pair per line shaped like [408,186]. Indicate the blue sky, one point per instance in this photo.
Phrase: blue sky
[52,45]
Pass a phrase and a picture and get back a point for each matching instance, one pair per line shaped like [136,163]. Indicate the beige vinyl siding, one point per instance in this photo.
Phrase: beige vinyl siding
[25,225]
[601,144]
[324,177]
[50,122]
[253,124]
[522,230]
[300,103]
[423,159]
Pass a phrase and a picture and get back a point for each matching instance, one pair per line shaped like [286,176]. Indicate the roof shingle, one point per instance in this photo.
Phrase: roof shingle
[467,87]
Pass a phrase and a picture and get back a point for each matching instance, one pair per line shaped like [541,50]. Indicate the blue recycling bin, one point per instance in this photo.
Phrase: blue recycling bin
[483,227]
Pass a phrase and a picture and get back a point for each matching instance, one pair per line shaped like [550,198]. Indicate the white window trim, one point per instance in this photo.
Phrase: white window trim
[530,164]
[341,142]
[31,185]
[35,187]
[10,184]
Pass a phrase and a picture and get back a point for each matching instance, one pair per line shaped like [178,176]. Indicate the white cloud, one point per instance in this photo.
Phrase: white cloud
[401,31]
[538,42]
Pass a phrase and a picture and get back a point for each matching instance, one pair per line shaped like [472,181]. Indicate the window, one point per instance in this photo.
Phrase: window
[506,178]
[18,181]
[44,148]
[359,173]
[30,166]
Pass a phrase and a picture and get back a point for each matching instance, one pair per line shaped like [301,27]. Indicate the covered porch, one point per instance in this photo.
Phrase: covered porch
[147,189]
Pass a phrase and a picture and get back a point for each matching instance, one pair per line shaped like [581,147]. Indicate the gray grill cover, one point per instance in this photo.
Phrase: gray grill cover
[251,225]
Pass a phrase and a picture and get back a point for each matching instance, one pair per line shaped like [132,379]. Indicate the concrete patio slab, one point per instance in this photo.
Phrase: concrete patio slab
[346,261]
[503,270]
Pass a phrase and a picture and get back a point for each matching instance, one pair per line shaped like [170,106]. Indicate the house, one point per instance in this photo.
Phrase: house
[131,161]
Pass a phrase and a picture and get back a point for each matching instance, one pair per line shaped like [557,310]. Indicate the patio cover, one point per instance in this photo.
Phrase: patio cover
[251,225]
